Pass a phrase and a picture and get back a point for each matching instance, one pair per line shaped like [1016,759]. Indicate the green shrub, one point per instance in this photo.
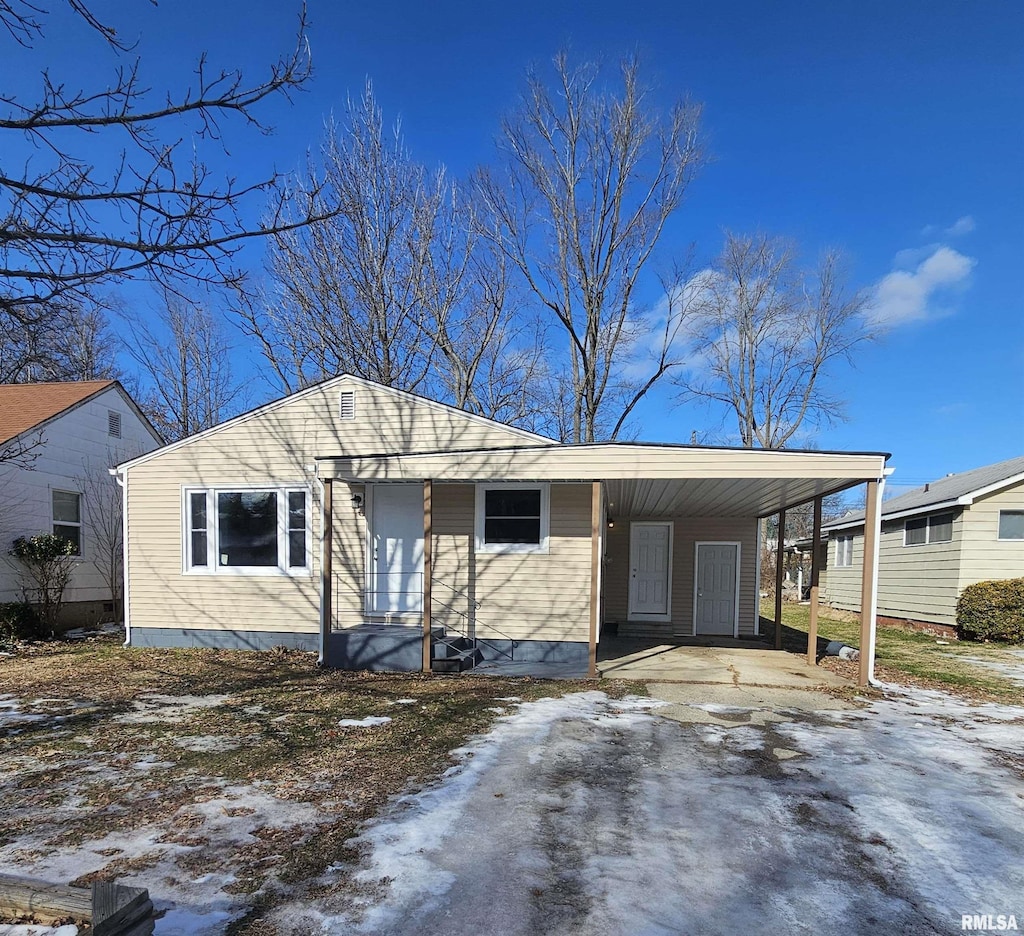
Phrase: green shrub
[19,621]
[992,611]
[47,562]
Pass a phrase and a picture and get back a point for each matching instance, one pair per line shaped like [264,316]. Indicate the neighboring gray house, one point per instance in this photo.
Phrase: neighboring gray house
[935,540]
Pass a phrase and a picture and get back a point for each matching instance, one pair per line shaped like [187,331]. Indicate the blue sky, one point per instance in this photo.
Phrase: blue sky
[894,131]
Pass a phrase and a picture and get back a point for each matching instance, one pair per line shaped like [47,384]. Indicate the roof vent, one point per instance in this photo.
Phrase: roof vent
[113,424]
[347,405]
[926,488]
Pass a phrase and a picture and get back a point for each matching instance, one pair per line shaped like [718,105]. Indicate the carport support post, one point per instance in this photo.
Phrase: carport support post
[596,519]
[778,579]
[325,565]
[428,567]
[872,523]
[812,620]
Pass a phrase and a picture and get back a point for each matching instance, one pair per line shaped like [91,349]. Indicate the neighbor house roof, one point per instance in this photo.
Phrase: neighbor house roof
[955,490]
[29,405]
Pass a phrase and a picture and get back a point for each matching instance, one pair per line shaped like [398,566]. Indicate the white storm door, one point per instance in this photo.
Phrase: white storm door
[396,549]
[650,571]
[717,594]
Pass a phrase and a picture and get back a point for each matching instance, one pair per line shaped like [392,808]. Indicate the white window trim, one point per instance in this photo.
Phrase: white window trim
[213,567]
[844,540]
[928,541]
[999,523]
[81,523]
[514,548]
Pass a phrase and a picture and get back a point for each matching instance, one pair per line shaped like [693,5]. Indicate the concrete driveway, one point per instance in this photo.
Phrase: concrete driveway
[586,815]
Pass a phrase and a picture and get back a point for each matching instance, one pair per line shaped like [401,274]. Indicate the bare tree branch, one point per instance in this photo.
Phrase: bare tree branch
[592,179]
[768,334]
[68,226]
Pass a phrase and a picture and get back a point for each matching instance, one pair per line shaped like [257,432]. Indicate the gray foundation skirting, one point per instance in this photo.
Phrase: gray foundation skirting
[222,639]
[389,648]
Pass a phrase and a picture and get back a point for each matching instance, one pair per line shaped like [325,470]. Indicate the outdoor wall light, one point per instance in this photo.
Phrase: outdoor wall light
[611,523]
[357,501]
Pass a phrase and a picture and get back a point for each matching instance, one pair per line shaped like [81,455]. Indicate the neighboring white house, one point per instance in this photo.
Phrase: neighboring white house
[935,541]
[58,442]
[382,528]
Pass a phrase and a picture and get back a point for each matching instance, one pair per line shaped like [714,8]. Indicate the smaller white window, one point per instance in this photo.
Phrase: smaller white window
[844,551]
[512,518]
[921,531]
[67,518]
[113,424]
[347,405]
[1011,524]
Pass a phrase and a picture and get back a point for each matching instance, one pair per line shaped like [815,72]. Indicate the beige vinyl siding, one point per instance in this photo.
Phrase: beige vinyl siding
[983,555]
[686,533]
[533,596]
[275,447]
[919,583]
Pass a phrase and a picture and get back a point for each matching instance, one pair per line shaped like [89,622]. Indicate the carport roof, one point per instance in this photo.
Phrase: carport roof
[641,479]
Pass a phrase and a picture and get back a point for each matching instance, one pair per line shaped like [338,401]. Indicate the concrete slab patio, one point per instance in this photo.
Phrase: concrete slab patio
[729,663]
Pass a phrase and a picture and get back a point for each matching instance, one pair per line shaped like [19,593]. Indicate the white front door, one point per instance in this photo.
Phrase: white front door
[715,609]
[650,571]
[396,549]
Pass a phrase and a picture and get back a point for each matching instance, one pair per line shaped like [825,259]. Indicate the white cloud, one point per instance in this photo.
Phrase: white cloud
[962,225]
[911,295]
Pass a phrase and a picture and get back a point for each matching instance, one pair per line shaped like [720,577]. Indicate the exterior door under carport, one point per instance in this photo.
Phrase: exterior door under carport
[716,592]
[650,571]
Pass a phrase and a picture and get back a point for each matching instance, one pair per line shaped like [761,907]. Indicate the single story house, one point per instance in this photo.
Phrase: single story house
[58,442]
[935,541]
[386,531]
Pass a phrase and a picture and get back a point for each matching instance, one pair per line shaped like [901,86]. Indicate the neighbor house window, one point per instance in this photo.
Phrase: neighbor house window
[512,518]
[844,551]
[67,518]
[1011,524]
[256,531]
[923,530]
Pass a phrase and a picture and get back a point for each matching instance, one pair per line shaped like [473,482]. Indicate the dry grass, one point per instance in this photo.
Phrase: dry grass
[76,774]
[910,657]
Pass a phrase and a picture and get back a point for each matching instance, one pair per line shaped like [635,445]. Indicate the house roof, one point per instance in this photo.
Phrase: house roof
[650,480]
[954,490]
[314,388]
[29,405]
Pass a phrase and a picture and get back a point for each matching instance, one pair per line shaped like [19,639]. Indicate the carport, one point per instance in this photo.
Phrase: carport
[715,497]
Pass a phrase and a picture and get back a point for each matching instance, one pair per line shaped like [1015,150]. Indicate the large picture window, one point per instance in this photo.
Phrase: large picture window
[512,518]
[921,531]
[254,531]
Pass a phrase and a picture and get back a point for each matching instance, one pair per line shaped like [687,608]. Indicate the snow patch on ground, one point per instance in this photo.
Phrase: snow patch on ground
[403,701]
[584,814]
[370,721]
[32,929]
[155,707]
[208,744]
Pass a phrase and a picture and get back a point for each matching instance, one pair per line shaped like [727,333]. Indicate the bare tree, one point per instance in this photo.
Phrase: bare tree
[184,360]
[592,178]
[68,226]
[346,294]
[103,510]
[57,340]
[768,335]
[397,286]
